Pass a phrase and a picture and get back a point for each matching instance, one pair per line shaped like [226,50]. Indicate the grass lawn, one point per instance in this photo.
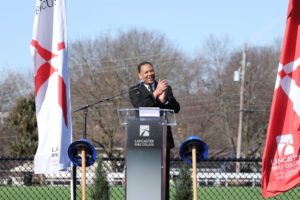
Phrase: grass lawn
[117,193]
[241,193]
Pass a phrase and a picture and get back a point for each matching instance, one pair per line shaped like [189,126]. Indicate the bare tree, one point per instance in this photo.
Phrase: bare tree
[212,120]
[106,67]
[103,69]
[211,110]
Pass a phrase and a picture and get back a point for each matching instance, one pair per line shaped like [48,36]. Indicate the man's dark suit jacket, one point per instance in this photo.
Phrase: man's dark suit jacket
[140,96]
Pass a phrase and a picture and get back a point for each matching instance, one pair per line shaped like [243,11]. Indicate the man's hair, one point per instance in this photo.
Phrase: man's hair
[144,63]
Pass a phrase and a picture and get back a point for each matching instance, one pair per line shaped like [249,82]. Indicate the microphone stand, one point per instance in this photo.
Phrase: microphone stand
[86,107]
[85,113]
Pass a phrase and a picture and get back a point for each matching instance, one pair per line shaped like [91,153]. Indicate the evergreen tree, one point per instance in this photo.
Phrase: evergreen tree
[21,121]
[183,184]
[101,185]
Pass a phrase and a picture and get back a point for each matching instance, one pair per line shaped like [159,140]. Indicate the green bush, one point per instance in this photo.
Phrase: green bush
[101,186]
[183,184]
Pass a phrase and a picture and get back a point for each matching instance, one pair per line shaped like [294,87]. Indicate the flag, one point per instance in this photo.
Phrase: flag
[281,158]
[52,93]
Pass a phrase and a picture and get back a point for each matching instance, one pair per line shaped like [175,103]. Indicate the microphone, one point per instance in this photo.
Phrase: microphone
[136,87]
[133,88]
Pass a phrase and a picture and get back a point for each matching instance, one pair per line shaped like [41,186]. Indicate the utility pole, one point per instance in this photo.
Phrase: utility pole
[241,111]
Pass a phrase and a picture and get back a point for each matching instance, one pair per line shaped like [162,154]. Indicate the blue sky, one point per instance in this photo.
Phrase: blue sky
[185,23]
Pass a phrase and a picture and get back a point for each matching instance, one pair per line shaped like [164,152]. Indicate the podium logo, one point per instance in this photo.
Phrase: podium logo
[144,130]
[285,144]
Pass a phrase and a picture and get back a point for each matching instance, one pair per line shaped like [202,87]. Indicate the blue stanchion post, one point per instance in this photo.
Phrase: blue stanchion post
[82,154]
[191,151]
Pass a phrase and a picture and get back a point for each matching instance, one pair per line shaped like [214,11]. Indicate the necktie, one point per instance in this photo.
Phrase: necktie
[150,88]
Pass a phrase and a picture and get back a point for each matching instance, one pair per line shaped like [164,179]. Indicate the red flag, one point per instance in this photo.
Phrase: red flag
[281,158]
[52,93]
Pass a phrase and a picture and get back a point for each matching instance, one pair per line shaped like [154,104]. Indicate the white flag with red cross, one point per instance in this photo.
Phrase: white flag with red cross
[52,91]
[281,158]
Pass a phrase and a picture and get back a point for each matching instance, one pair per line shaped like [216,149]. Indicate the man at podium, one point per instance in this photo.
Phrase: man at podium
[154,93]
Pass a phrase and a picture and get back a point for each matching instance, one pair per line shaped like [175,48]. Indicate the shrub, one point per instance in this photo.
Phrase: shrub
[101,186]
[183,184]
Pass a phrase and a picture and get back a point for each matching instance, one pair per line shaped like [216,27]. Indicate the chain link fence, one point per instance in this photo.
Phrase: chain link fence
[217,179]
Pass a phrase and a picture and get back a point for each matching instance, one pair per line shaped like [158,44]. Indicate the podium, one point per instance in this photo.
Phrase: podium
[145,155]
